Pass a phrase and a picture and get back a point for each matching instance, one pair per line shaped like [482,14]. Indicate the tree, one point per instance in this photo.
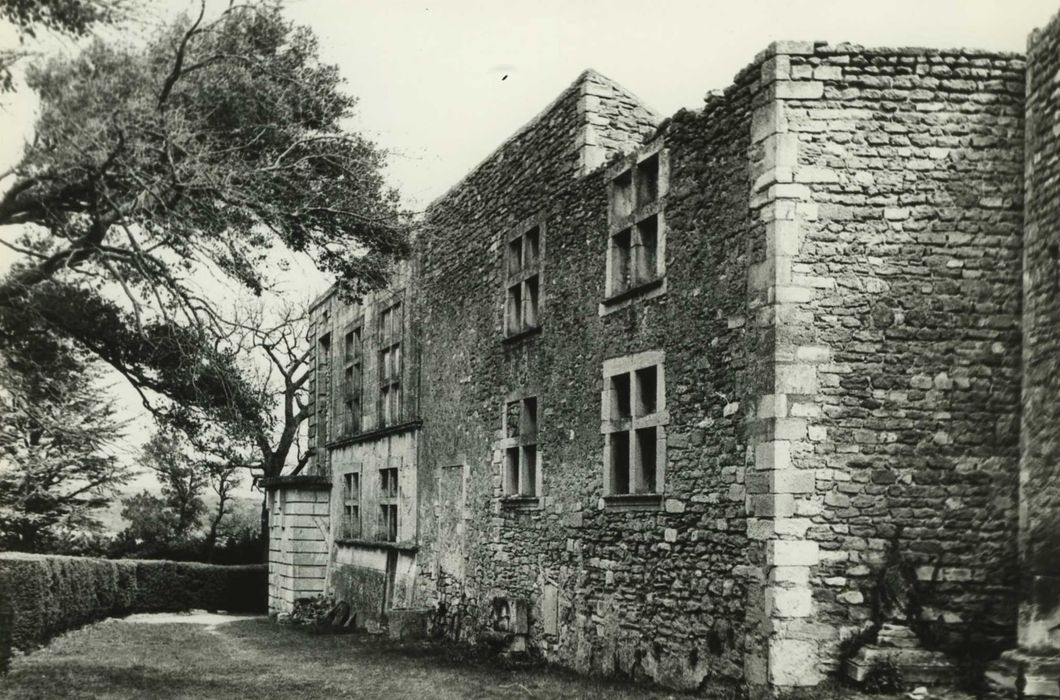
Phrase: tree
[57,440]
[182,478]
[152,523]
[276,353]
[224,478]
[72,17]
[213,145]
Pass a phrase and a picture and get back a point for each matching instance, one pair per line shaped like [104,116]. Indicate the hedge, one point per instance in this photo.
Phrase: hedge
[44,595]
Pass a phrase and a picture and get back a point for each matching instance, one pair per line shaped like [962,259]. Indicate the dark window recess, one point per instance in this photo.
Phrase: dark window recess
[619,462]
[523,280]
[530,303]
[352,504]
[514,316]
[528,419]
[511,471]
[388,483]
[520,460]
[647,249]
[647,389]
[620,399]
[636,228]
[388,522]
[647,174]
[647,462]
[621,260]
[635,440]
[528,474]
[622,196]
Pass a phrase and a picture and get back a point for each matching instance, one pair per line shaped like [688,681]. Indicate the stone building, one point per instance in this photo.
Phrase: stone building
[656,397]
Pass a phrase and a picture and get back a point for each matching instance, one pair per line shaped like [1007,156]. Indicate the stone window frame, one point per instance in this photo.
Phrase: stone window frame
[631,222]
[523,279]
[389,400]
[634,426]
[351,389]
[352,515]
[389,512]
[323,382]
[516,499]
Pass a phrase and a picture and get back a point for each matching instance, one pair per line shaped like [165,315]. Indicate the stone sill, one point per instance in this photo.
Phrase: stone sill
[526,333]
[374,434]
[634,501]
[645,290]
[521,503]
[378,544]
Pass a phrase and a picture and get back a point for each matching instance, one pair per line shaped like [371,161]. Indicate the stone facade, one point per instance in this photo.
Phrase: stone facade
[1040,467]
[654,397]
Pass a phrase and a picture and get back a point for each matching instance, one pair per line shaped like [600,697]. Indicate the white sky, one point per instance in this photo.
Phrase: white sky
[429,74]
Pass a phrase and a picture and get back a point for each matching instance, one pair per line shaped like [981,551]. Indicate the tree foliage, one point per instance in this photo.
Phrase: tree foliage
[71,17]
[210,148]
[57,461]
[183,480]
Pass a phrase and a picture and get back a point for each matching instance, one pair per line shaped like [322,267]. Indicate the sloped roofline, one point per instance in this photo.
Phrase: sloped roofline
[536,119]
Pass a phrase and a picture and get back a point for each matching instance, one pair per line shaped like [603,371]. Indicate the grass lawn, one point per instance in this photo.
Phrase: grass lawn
[253,658]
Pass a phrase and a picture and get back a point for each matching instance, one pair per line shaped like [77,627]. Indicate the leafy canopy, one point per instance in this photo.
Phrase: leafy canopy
[57,451]
[210,148]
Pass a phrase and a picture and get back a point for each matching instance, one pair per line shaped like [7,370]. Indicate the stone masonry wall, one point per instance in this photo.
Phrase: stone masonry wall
[840,330]
[1040,465]
[891,194]
[660,592]
[298,552]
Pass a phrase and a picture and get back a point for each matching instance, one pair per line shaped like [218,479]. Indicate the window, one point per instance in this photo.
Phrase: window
[388,496]
[636,247]
[323,388]
[350,394]
[390,331]
[520,448]
[522,274]
[634,424]
[351,503]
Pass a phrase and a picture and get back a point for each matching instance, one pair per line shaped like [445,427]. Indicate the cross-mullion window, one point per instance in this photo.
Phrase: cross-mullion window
[351,503]
[522,271]
[634,427]
[635,248]
[390,359]
[521,457]
[351,384]
[388,498]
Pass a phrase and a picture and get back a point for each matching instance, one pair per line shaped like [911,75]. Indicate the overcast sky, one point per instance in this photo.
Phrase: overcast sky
[429,75]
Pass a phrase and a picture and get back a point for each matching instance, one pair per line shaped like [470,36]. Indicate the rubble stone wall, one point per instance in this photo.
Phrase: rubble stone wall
[896,299]
[1040,466]
[660,592]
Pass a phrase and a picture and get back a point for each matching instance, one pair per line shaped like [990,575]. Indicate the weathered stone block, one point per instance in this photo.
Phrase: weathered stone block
[799,90]
[788,602]
[792,553]
[794,662]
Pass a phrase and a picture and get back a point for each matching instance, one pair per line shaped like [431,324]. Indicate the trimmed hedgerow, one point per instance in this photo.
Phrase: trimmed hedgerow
[44,595]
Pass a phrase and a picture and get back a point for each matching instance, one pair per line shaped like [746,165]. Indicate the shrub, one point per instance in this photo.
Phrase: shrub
[47,595]
[884,677]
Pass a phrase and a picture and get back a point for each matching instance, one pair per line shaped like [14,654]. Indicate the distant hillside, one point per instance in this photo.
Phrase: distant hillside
[244,507]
